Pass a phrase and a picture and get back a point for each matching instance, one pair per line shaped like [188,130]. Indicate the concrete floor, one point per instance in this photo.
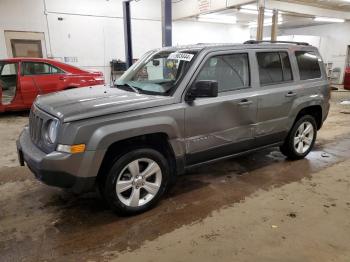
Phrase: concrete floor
[259,207]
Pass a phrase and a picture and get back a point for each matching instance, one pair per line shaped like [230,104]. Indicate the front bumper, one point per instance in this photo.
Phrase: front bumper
[55,169]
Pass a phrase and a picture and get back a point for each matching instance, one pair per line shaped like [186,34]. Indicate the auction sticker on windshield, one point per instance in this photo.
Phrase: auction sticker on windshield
[181,56]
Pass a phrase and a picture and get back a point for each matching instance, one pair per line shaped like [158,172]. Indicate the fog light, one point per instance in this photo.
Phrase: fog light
[73,149]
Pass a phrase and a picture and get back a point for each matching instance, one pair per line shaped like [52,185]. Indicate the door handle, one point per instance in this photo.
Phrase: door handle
[291,94]
[62,78]
[245,102]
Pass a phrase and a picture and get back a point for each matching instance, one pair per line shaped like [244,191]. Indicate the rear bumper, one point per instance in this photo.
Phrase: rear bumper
[56,168]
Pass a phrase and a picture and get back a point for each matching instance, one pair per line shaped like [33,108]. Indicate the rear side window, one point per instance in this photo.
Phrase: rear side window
[308,63]
[38,68]
[231,71]
[274,67]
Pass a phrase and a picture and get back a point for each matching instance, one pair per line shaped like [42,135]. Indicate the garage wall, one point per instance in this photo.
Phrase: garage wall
[333,44]
[189,32]
[14,16]
[89,33]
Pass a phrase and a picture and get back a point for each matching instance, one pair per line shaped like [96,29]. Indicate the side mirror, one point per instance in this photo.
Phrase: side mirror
[202,88]
[155,62]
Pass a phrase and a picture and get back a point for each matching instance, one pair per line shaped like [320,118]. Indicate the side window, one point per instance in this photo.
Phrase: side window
[309,67]
[231,71]
[55,70]
[274,67]
[8,69]
[38,68]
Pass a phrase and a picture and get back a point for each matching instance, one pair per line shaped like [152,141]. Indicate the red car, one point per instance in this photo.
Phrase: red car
[347,78]
[22,79]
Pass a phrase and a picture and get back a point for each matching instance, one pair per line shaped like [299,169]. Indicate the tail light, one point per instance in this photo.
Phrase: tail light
[100,78]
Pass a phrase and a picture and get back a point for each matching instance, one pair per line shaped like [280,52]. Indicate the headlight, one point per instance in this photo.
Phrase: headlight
[52,128]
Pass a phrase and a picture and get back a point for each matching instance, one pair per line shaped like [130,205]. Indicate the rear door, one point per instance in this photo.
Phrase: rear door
[277,93]
[40,78]
[219,126]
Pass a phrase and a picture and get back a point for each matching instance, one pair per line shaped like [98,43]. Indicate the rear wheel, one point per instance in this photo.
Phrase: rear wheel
[301,138]
[136,181]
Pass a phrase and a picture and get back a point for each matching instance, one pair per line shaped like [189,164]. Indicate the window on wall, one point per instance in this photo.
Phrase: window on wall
[308,63]
[26,48]
[231,71]
[37,68]
[274,67]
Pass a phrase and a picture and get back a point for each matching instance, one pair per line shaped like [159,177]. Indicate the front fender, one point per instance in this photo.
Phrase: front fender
[106,135]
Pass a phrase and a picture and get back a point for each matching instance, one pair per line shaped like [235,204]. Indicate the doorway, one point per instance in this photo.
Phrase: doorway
[25,44]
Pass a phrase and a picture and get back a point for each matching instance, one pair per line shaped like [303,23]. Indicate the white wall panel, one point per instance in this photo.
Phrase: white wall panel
[145,9]
[188,32]
[19,15]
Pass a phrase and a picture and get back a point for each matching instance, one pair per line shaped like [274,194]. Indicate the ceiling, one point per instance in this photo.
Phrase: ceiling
[339,5]
[287,20]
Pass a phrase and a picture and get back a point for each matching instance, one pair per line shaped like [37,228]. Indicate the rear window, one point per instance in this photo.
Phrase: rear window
[274,67]
[308,63]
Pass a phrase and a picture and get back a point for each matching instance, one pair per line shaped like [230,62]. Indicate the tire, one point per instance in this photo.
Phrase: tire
[299,142]
[128,188]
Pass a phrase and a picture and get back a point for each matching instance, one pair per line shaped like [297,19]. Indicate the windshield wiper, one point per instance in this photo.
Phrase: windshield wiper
[128,86]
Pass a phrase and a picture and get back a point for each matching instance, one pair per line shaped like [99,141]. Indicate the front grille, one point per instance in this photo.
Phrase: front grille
[35,126]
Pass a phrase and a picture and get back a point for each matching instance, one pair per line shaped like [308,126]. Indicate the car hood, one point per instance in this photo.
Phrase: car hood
[86,102]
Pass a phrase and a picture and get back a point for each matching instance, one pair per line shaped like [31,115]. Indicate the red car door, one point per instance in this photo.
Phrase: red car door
[40,78]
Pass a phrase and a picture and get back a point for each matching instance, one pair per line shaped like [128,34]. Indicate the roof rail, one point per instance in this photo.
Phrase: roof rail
[274,42]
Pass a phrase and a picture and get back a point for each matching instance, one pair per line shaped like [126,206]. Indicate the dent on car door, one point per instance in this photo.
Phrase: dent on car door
[276,96]
[223,125]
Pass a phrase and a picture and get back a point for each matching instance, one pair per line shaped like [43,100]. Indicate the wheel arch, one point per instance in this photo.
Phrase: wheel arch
[315,111]
[158,141]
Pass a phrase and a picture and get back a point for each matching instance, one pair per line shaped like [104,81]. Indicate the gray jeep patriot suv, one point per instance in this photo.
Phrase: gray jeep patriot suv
[174,109]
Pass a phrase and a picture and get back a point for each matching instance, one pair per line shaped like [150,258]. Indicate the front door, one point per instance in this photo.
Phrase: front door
[39,78]
[9,85]
[223,125]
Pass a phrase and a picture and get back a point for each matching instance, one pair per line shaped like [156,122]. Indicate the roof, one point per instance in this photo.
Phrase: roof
[18,59]
[247,45]
[59,64]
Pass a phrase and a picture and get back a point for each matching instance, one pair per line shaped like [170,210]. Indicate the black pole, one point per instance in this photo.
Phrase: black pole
[166,23]
[127,33]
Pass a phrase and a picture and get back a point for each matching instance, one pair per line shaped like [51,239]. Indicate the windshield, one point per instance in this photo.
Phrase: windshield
[156,73]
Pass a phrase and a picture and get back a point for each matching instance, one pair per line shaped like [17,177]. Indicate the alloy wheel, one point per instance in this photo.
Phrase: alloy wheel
[304,137]
[139,182]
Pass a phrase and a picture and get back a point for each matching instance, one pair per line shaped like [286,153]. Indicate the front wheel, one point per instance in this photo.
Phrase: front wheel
[301,138]
[136,181]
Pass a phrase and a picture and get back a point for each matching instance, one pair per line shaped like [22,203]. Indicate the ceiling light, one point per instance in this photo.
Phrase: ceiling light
[211,18]
[255,12]
[255,24]
[329,19]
